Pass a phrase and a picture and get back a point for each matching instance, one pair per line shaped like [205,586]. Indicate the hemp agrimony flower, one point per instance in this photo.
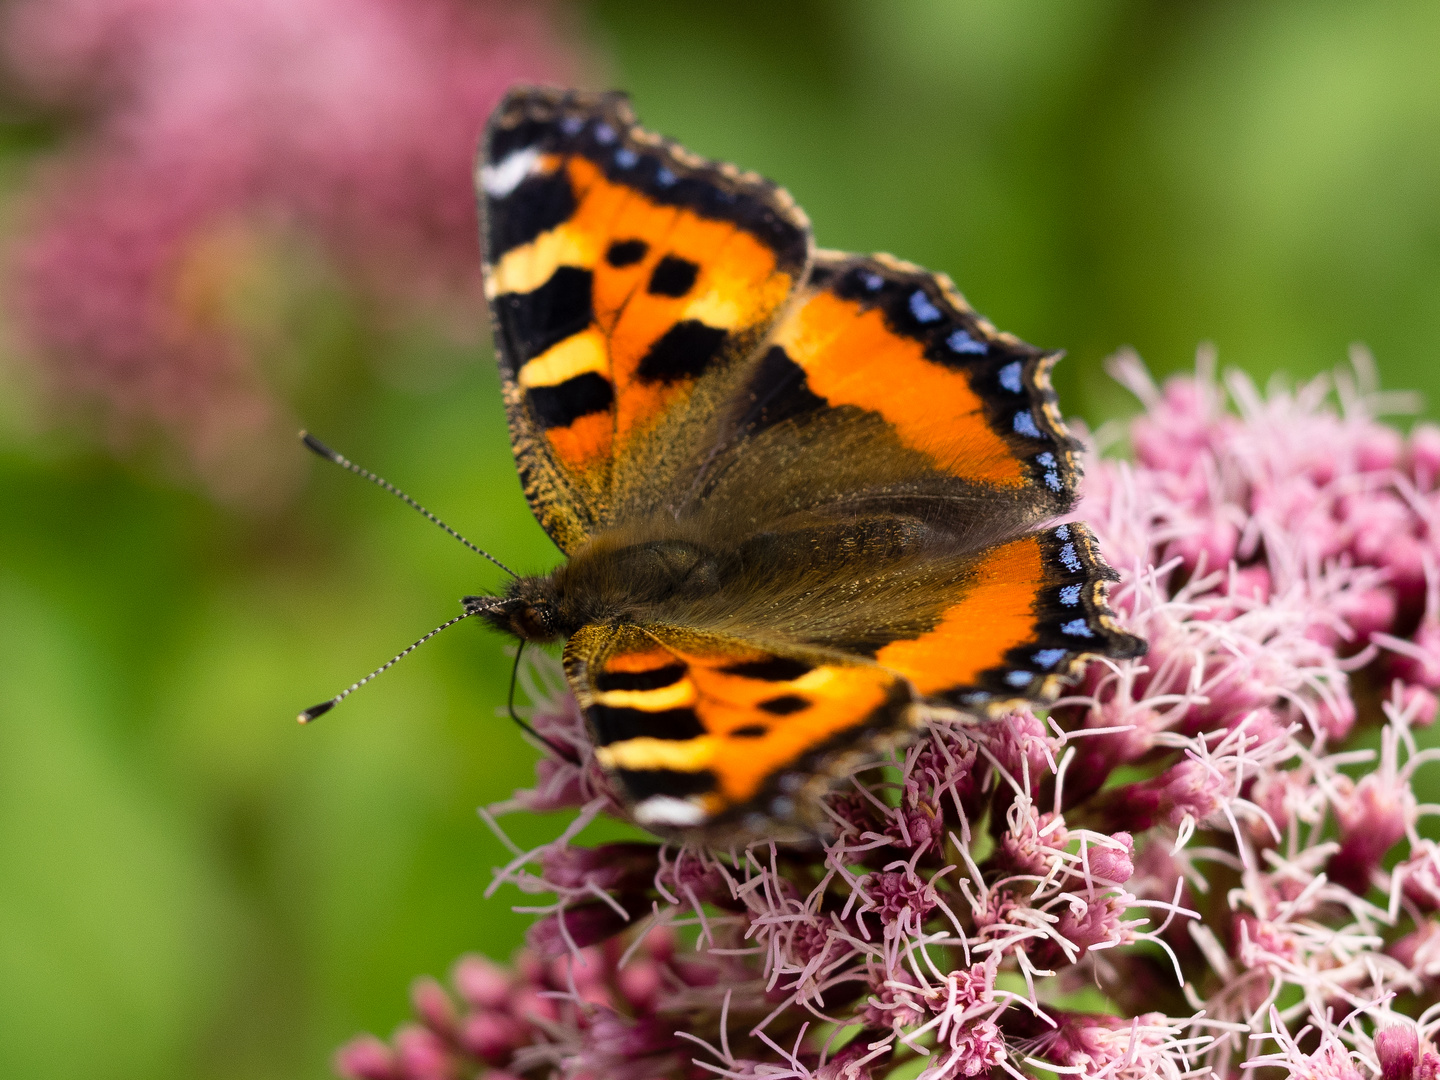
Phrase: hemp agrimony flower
[1207,861]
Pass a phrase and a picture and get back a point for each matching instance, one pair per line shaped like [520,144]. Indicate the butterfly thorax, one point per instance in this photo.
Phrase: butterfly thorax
[610,581]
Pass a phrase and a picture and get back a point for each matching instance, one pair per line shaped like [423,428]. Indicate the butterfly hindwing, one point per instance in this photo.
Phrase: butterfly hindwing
[621,270]
[704,731]
[1021,618]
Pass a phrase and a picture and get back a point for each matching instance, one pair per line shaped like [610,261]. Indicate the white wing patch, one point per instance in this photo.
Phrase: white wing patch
[501,179]
[668,810]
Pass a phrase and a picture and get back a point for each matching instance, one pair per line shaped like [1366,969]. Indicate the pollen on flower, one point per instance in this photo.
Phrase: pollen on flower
[1209,861]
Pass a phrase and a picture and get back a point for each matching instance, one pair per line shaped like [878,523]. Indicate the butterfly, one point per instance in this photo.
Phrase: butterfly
[799,491]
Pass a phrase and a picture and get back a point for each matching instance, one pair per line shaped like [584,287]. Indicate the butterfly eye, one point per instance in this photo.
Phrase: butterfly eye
[536,622]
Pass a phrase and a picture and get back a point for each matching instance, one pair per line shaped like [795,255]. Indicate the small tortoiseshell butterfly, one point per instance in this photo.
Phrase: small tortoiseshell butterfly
[798,489]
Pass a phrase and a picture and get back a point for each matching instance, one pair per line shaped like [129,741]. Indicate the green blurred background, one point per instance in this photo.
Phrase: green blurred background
[192,886]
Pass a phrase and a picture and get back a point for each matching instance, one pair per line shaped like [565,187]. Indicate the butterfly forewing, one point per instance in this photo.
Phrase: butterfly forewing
[622,271]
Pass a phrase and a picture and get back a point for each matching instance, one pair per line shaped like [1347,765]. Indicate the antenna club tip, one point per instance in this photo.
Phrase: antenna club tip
[316,446]
[315,711]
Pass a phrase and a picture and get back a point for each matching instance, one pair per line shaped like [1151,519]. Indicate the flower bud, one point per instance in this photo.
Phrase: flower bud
[896,894]
[1398,1050]
[923,827]
[366,1058]
[1096,922]
[482,983]
[586,969]
[1373,818]
[1115,865]
[491,1037]
[1379,448]
[659,943]
[1419,950]
[1335,717]
[1405,557]
[434,1007]
[422,1055]
[531,1005]
[1185,789]
[1366,611]
[894,1001]
[1420,704]
[1250,583]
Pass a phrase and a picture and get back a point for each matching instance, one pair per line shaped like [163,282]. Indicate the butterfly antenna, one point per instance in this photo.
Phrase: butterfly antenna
[562,752]
[325,706]
[345,463]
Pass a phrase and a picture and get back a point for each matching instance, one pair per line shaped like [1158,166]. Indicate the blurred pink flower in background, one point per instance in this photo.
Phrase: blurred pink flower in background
[223,140]
[1204,862]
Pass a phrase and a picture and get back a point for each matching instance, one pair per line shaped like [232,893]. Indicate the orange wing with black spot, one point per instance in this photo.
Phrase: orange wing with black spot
[891,395]
[712,733]
[621,271]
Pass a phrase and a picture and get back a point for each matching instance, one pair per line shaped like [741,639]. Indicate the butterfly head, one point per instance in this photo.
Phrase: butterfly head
[529,610]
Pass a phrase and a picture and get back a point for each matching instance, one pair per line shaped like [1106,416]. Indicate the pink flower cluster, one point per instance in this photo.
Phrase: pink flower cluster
[1203,862]
[224,144]
[572,995]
